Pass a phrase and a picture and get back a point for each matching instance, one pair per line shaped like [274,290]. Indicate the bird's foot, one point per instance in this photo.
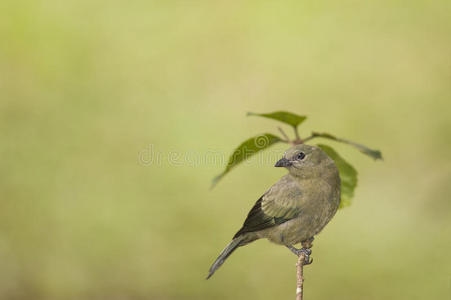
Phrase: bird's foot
[305,251]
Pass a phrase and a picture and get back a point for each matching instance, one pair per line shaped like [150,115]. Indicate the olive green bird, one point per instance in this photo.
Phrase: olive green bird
[295,208]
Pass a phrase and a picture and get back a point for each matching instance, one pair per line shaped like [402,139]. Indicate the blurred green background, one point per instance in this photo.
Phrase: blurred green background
[90,91]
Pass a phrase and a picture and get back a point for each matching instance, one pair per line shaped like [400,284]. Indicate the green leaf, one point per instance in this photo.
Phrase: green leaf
[348,175]
[376,154]
[247,149]
[282,116]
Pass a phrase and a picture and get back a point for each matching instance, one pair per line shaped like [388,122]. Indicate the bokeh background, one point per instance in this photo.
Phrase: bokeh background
[109,108]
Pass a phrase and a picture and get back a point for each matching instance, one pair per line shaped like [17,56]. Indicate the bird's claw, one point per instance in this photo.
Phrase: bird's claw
[305,251]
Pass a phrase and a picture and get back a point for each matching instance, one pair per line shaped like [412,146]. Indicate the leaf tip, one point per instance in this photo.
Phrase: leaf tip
[378,155]
[215,181]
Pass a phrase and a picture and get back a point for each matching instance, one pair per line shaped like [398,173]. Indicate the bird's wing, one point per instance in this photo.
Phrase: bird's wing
[282,202]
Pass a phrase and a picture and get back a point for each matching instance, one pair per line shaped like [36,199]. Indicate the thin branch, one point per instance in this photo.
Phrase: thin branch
[303,259]
[300,277]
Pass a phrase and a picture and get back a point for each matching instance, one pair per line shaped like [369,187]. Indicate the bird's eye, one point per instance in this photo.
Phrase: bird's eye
[300,156]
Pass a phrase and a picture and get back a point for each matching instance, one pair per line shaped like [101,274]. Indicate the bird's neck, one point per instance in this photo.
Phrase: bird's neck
[328,173]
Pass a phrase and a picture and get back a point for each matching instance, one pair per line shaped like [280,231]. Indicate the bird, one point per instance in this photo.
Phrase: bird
[296,208]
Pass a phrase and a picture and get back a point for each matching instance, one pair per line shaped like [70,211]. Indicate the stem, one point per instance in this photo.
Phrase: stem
[300,277]
[309,138]
[287,139]
[298,139]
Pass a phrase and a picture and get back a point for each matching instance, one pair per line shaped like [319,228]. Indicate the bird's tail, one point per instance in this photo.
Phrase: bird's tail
[235,243]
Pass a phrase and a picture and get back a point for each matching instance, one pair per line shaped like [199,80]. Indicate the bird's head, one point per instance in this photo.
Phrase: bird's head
[305,161]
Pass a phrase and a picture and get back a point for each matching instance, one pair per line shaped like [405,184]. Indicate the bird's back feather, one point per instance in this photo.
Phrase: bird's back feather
[281,203]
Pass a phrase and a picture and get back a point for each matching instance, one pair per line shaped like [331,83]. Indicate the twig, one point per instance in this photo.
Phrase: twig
[303,259]
[300,277]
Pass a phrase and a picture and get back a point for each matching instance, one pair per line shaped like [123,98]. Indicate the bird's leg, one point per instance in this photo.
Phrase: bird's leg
[303,250]
[308,243]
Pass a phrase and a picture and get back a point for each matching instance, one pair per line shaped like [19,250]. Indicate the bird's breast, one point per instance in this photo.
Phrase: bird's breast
[320,203]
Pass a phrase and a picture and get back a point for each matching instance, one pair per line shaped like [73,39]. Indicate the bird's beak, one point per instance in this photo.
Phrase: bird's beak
[283,163]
